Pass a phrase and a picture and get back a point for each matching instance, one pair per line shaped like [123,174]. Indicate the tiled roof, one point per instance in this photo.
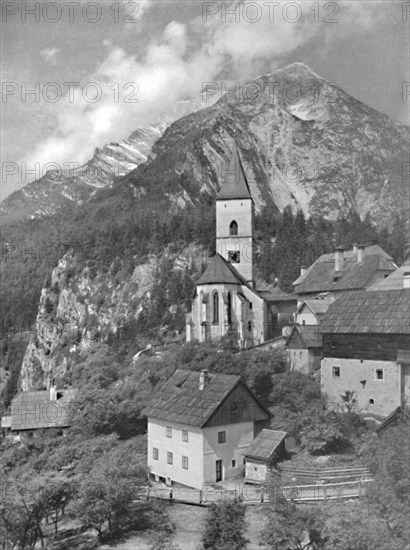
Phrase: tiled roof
[365,312]
[271,296]
[32,410]
[394,281]
[396,416]
[319,307]
[321,274]
[180,399]
[235,185]
[265,444]
[220,271]
[310,334]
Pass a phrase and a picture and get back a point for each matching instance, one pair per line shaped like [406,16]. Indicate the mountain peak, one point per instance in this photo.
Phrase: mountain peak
[294,71]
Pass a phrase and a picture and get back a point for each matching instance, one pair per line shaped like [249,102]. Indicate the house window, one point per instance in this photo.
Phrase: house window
[371,401]
[169,431]
[184,435]
[185,462]
[379,374]
[250,326]
[336,372]
[215,308]
[233,228]
[221,437]
[233,463]
[155,453]
[250,305]
[170,458]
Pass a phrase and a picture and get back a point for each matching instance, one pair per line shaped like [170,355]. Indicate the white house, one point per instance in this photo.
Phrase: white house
[311,311]
[199,427]
[366,349]
[361,268]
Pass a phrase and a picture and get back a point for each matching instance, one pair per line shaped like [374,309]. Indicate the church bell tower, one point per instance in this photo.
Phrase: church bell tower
[234,219]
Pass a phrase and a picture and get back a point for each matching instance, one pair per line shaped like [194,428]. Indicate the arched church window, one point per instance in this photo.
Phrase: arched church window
[215,308]
[229,308]
[233,228]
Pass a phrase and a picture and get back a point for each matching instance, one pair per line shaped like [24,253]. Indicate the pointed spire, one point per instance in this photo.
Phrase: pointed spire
[235,185]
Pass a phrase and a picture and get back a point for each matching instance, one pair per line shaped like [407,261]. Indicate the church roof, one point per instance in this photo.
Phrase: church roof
[220,271]
[235,186]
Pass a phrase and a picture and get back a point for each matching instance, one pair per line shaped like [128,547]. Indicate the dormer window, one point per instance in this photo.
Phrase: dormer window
[233,228]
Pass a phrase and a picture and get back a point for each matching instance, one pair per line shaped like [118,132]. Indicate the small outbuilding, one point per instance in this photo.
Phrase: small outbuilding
[264,451]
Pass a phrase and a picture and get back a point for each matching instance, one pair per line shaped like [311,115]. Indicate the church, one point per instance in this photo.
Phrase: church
[226,300]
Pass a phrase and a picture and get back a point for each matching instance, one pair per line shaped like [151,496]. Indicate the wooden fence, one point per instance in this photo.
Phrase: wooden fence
[326,474]
[250,494]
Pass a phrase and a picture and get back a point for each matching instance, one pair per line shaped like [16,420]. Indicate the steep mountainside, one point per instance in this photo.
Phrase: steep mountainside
[58,189]
[304,142]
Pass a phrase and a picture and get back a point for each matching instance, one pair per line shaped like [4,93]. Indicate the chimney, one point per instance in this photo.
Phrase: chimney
[339,259]
[406,279]
[203,379]
[360,253]
[355,249]
[302,270]
[53,393]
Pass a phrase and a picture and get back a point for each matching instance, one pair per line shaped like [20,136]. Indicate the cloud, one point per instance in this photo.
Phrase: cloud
[50,55]
[138,90]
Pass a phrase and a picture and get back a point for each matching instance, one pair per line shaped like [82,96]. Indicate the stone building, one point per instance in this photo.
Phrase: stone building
[366,349]
[226,300]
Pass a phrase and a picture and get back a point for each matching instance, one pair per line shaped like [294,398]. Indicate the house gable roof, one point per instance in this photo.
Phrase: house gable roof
[395,280]
[369,312]
[322,277]
[265,444]
[180,400]
[317,307]
[235,186]
[396,416]
[309,334]
[32,410]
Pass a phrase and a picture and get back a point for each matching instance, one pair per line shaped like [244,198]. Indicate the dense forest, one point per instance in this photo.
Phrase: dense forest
[123,237]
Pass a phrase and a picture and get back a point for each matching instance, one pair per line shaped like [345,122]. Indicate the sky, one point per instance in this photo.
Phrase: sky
[99,70]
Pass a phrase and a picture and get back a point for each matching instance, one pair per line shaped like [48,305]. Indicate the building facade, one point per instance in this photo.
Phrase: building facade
[366,350]
[199,427]
[226,300]
[361,268]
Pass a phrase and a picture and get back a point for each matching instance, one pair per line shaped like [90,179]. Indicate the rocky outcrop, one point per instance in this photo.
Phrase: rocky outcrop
[79,307]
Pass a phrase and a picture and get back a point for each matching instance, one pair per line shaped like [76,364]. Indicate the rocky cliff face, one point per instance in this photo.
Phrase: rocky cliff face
[79,307]
[304,142]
